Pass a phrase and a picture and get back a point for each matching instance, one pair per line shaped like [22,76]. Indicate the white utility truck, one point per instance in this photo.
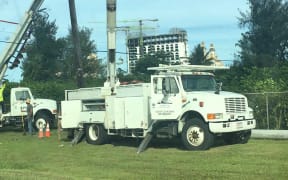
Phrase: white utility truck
[44,110]
[180,100]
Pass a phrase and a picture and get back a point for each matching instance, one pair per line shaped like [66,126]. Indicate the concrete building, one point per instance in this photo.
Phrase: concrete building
[173,43]
[210,56]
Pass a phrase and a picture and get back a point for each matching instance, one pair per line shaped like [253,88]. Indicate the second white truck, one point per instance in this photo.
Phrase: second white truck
[45,110]
[179,101]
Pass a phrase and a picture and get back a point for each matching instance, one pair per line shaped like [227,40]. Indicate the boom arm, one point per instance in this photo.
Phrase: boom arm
[16,39]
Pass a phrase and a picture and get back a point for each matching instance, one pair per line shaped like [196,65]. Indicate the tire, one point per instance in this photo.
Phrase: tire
[245,136]
[230,138]
[237,137]
[95,134]
[196,135]
[41,119]
[70,133]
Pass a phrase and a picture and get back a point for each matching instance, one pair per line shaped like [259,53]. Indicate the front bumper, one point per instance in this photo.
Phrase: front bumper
[232,126]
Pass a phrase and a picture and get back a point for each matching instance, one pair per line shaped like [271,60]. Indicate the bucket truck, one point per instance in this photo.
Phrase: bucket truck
[44,109]
[180,101]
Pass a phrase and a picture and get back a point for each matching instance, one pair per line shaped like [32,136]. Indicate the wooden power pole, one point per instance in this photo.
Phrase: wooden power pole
[76,42]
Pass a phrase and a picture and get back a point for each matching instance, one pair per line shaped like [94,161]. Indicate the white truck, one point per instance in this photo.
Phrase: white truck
[179,101]
[44,109]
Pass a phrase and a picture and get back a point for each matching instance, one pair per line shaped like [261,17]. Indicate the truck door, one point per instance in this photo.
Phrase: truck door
[166,99]
[18,102]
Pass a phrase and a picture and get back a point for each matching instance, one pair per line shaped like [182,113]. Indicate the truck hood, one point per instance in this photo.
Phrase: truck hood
[44,102]
[225,94]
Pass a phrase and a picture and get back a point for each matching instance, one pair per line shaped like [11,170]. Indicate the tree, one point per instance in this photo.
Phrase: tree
[197,56]
[43,51]
[151,60]
[266,41]
[92,66]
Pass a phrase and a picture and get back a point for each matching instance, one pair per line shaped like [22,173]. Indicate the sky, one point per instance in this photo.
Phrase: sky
[210,21]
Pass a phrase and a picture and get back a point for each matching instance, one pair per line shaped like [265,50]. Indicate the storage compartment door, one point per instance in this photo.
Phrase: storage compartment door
[136,114]
[115,112]
[71,111]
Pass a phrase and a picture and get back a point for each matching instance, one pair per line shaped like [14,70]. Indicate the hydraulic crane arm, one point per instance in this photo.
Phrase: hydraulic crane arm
[15,40]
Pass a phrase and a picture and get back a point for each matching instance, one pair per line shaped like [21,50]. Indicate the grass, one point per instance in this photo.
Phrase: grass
[28,157]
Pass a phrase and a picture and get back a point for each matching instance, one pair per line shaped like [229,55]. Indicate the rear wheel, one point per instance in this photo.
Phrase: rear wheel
[237,137]
[96,134]
[196,135]
[245,136]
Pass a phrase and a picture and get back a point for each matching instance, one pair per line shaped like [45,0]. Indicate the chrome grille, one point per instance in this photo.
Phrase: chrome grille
[235,105]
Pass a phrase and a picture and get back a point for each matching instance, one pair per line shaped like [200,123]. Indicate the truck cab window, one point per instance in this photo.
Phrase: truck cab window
[165,85]
[22,95]
[173,88]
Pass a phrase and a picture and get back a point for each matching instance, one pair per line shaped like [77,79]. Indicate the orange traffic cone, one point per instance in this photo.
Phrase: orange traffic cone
[40,134]
[47,132]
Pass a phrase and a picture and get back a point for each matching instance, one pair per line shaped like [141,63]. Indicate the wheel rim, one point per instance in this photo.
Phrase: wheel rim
[93,132]
[195,135]
[40,122]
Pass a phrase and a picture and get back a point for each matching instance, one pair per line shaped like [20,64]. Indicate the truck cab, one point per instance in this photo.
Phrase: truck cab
[45,110]
[202,111]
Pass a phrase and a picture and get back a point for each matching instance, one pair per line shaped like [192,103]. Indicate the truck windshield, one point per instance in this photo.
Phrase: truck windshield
[198,83]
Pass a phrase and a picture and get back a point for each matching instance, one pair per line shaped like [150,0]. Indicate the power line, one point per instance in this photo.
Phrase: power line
[9,42]
[105,51]
[9,22]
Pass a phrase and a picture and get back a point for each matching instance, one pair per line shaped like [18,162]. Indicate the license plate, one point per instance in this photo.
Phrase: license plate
[239,125]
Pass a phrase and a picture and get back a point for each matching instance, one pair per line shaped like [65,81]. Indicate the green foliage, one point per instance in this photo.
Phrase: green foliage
[263,64]
[151,60]
[265,43]
[43,51]
[49,58]
[262,80]
[92,66]
[197,57]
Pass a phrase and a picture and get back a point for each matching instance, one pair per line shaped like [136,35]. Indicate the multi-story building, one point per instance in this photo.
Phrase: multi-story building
[174,44]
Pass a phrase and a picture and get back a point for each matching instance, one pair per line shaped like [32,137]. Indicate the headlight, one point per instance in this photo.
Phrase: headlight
[212,116]
[251,114]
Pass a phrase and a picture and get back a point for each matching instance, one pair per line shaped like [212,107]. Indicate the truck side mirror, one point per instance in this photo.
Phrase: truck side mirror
[218,88]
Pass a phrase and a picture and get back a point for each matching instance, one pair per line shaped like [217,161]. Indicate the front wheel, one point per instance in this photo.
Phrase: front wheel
[96,134]
[196,135]
[41,120]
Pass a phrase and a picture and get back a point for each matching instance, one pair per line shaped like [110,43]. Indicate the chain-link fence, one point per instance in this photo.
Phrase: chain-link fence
[270,109]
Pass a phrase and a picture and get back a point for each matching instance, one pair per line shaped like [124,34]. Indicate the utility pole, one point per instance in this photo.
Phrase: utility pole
[111,41]
[76,42]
